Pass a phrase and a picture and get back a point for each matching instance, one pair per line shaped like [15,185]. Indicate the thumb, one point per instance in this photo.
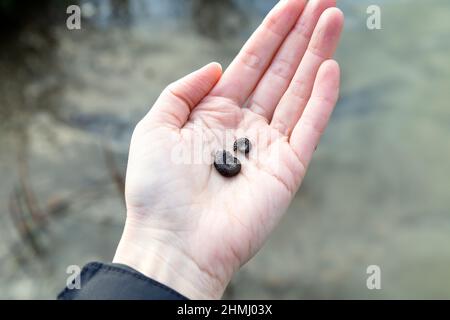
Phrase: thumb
[179,98]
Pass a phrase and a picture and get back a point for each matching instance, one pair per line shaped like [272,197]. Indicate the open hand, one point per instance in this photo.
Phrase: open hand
[191,228]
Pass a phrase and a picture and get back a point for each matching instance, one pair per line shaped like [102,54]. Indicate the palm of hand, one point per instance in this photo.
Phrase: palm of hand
[176,198]
[194,199]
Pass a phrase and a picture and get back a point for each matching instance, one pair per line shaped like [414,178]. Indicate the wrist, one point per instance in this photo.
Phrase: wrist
[152,253]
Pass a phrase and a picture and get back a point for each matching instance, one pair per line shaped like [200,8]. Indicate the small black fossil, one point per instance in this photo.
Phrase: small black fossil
[226,164]
[242,145]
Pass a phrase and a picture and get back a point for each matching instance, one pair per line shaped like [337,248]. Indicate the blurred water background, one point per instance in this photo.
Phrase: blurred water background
[378,191]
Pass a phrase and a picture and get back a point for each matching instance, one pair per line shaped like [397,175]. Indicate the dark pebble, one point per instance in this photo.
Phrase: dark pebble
[226,164]
[242,145]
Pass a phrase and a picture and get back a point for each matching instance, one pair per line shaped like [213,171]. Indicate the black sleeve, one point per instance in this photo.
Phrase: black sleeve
[117,282]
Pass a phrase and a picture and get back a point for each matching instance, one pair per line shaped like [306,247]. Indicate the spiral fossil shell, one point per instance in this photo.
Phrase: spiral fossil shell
[226,164]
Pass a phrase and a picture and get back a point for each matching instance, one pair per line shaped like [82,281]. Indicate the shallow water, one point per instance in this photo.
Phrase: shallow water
[377,191]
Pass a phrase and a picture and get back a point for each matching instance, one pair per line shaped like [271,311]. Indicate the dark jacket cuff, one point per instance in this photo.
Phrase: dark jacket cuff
[101,281]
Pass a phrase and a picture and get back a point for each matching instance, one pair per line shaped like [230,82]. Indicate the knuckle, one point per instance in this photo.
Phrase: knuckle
[300,91]
[282,68]
[324,100]
[251,59]
[282,127]
[317,53]
[272,25]
[301,29]
[316,123]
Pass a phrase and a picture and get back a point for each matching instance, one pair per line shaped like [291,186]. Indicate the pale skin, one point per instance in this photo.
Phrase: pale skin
[187,226]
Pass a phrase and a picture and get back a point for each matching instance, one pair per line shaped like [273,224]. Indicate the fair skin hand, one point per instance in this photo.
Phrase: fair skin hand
[187,226]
